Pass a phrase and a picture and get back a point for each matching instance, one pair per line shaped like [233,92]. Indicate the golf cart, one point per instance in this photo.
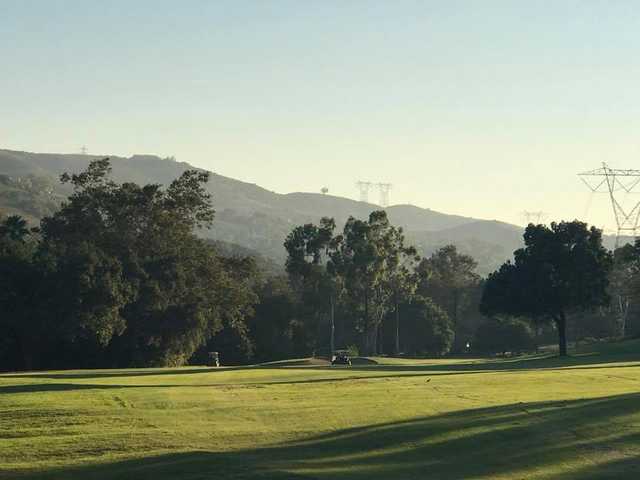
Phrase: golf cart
[341,357]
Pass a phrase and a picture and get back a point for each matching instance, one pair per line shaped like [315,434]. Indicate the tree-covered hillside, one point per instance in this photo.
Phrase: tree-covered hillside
[247,214]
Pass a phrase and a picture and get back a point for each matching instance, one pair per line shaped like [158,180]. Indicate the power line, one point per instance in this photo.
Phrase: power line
[364,190]
[616,182]
[534,217]
[384,193]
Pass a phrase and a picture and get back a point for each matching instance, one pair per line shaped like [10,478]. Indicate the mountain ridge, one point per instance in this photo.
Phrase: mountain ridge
[256,218]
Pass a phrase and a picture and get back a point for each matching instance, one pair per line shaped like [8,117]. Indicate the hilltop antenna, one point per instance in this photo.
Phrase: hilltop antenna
[534,217]
[613,181]
[364,190]
[384,193]
[83,150]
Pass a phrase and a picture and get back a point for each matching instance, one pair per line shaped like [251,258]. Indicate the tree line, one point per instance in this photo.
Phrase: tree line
[386,298]
[117,277]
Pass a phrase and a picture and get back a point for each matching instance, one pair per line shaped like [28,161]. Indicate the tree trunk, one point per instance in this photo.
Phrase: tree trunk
[455,308]
[561,325]
[397,349]
[623,308]
[374,340]
[369,347]
[455,344]
[369,330]
[333,327]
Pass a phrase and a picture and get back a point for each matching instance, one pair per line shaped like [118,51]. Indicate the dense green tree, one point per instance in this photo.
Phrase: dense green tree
[311,255]
[562,268]
[446,276]
[624,283]
[364,252]
[20,286]
[141,237]
[428,327]
[450,279]
[118,269]
[401,277]
[364,272]
[236,298]
[274,326]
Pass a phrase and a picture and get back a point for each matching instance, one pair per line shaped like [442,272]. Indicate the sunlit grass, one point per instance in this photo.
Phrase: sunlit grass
[402,418]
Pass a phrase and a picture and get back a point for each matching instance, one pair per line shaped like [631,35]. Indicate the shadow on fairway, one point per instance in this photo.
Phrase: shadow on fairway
[117,373]
[63,387]
[523,440]
[53,387]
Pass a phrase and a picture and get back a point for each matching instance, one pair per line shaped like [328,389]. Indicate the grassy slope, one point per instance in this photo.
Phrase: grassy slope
[517,419]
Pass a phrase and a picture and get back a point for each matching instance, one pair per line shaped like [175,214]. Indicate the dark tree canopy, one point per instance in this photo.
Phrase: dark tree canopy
[562,268]
[430,328]
[118,271]
[450,279]
[367,253]
[363,273]
[624,286]
[117,277]
[311,250]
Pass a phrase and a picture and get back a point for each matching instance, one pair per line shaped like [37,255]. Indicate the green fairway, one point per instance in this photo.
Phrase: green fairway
[397,419]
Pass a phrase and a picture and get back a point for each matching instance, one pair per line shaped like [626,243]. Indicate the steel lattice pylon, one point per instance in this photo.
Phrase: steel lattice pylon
[384,194]
[534,217]
[364,187]
[613,181]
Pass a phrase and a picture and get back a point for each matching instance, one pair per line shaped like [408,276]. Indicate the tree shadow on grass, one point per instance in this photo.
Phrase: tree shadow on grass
[612,470]
[118,373]
[53,387]
[60,387]
[574,439]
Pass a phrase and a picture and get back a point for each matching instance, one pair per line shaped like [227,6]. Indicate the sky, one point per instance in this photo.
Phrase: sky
[478,108]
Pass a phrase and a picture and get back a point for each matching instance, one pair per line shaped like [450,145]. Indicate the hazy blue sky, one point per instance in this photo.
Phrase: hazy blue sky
[483,108]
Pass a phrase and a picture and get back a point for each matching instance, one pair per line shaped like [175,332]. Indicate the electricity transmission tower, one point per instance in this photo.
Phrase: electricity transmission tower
[534,217]
[84,150]
[616,182]
[364,190]
[384,193]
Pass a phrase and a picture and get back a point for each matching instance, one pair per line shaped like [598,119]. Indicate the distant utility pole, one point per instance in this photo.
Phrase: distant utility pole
[364,190]
[534,217]
[384,193]
[614,182]
[83,150]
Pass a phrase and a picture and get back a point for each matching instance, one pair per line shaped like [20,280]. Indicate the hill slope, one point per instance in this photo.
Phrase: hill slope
[247,214]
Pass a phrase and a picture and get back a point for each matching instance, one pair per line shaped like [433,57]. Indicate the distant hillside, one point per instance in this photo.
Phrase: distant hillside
[489,242]
[416,218]
[247,214]
[30,196]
